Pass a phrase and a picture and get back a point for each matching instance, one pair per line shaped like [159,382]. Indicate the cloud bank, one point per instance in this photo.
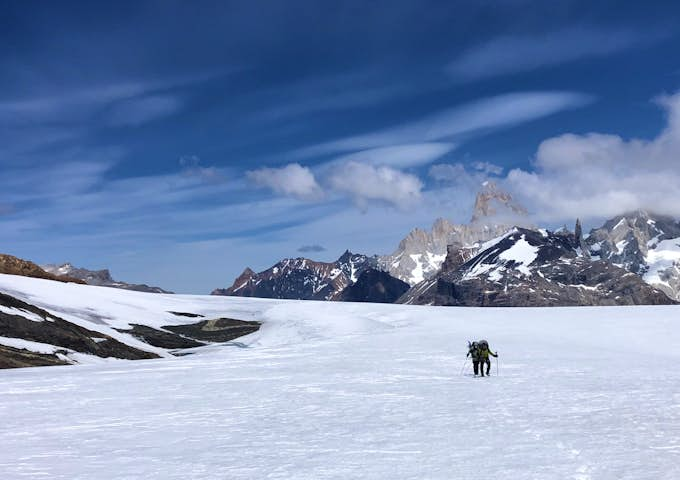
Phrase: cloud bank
[600,175]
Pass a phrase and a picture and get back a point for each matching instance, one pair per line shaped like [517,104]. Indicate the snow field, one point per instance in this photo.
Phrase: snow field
[338,390]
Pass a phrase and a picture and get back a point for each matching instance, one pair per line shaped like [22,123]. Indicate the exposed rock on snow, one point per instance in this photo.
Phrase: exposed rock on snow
[53,323]
[53,340]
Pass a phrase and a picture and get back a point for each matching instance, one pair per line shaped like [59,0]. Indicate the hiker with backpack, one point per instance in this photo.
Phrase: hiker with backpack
[473,351]
[484,352]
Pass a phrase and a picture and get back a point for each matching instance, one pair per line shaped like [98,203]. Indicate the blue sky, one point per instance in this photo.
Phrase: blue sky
[179,142]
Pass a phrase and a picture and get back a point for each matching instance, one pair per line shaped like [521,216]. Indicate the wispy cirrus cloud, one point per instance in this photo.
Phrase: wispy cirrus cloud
[482,115]
[399,156]
[511,54]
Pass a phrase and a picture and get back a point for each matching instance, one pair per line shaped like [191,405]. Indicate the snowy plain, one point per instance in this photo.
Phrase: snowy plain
[341,390]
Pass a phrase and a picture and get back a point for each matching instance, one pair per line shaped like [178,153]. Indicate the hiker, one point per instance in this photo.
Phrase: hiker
[473,350]
[484,352]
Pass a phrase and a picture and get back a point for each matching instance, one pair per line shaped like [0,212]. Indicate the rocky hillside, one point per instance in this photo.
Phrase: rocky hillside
[421,253]
[31,336]
[533,268]
[374,286]
[100,278]
[301,278]
[643,243]
[11,265]
[53,323]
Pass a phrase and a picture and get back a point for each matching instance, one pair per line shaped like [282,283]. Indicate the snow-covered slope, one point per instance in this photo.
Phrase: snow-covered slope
[330,390]
[76,317]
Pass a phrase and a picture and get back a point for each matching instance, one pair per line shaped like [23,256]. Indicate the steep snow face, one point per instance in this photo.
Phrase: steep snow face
[522,254]
[340,390]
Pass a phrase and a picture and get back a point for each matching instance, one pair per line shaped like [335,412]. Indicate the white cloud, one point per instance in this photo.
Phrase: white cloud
[364,183]
[399,156]
[485,114]
[519,53]
[292,180]
[598,175]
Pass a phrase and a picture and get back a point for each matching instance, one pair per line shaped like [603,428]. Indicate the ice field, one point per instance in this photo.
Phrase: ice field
[341,390]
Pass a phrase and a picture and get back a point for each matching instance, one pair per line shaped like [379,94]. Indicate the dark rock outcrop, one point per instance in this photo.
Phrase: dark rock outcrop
[24,321]
[375,286]
[216,330]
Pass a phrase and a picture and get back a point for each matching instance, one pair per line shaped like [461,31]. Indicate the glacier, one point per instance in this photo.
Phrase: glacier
[329,390]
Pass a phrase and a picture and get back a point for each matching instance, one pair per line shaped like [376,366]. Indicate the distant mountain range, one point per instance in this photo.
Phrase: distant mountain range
[100,278]
[534,268]
[497,259]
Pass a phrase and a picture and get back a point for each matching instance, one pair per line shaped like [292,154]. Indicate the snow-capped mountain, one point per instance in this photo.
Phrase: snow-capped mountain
[421,253]
[643,243]
[301,278]
[527,267]
[100,278]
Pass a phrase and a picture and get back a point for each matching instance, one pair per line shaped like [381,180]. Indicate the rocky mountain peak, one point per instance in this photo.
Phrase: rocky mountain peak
[493,202]
[644,243]
[421,253]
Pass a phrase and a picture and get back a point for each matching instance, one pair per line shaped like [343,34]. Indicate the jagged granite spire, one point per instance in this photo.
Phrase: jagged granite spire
[492,202]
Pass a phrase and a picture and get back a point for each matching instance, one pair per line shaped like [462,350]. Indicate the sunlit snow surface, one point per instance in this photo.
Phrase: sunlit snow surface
[332,390]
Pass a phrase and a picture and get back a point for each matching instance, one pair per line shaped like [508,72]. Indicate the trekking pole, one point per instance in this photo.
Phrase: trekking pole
[497,367]
[463,367]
